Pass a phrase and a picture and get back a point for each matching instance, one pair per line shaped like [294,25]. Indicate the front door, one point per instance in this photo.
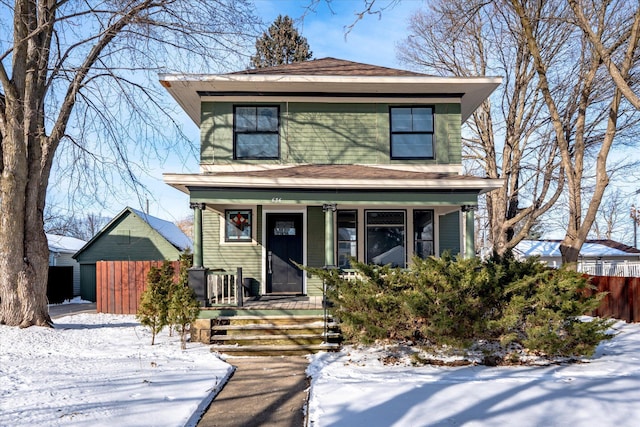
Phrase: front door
[284,246]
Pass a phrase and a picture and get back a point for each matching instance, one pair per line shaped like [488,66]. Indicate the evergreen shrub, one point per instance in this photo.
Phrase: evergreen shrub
[457,302]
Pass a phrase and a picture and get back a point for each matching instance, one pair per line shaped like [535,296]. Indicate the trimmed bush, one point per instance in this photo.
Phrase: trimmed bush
[457,302]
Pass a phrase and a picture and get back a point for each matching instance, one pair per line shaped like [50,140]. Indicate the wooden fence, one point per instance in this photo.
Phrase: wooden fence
[119,284]
[623,299]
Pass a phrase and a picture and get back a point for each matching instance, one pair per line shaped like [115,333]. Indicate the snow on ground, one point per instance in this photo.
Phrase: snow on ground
[100,370]
[354,388]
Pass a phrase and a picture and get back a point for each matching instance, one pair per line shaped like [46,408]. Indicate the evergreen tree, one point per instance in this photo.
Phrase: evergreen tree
[280,44]
[153,308]
[183,305]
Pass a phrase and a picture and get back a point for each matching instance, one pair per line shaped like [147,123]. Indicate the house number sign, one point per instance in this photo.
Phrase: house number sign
[276,200]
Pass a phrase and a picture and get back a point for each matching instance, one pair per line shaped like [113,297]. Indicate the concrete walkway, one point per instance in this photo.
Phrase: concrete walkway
[263,391]
[61,310]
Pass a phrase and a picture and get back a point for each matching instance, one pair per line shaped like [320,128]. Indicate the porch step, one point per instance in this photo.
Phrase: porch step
[268,335]
[274,350]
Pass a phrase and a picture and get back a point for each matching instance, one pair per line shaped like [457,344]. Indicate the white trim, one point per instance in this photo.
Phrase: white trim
[181,181]
[332,99]
[220,211]
[185,88]
[276,210]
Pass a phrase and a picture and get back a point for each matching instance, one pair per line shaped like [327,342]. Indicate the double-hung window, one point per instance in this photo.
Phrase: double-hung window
[386,238]
[255,132]
[423,233]
[411,132]
[347,237]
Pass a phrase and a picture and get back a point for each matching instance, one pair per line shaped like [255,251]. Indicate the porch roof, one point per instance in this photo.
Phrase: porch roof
[331,178]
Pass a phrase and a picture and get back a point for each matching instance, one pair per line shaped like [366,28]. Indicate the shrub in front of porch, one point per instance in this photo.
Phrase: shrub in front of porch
[458,302]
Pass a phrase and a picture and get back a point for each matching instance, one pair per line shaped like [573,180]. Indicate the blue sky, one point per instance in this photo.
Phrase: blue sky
[372,41]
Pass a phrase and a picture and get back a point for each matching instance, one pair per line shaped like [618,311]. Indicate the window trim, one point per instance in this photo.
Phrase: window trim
[338,240]
[366,232]
[433,231]
[251,221]
[432,133]
[236,132]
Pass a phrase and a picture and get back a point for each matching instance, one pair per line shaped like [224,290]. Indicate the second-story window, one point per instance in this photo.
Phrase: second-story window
[255,132]
[411,132]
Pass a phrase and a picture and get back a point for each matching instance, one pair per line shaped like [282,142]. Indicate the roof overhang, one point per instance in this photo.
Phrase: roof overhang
[334,178]
[189,90]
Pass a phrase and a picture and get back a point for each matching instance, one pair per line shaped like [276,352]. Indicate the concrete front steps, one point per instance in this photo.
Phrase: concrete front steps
[268,334]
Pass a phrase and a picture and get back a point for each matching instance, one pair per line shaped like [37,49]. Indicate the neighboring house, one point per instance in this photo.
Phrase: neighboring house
[61,250]
[131,235]
[319,161]
[598,257]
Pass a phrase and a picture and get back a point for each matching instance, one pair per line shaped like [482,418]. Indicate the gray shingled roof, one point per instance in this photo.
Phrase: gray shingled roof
[330,67]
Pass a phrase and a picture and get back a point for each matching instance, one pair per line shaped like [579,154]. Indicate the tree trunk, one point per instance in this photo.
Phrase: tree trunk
[25,254]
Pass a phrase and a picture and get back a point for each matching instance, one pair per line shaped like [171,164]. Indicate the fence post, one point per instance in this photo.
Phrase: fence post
[239,290]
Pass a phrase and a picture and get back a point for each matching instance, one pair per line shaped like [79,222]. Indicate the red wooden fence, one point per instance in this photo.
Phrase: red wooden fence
[623,299]
[120,284]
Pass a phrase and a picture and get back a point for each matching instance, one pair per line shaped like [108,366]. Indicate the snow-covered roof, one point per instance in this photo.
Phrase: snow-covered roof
[551,248]
[64,244]
[167,229]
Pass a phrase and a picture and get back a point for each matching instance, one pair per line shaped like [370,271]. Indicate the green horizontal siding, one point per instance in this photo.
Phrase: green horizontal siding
[327,133]
[450,233]
[230,256]
[129,239]
[315,247]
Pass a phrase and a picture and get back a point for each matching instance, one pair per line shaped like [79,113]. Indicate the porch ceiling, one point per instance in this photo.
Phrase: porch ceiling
[314,182]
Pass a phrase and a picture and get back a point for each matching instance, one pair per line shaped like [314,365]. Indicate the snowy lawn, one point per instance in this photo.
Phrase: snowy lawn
[100,370]
[354,388]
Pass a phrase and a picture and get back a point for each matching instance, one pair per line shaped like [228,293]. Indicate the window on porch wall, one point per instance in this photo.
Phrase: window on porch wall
[423,233]
[347,237]
[385,232]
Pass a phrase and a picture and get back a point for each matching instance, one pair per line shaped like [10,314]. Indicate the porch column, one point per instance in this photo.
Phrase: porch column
[329,239]
[197,233]
[198,273]
[469,235]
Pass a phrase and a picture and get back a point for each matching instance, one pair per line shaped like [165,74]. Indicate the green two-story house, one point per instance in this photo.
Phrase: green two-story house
[320,161]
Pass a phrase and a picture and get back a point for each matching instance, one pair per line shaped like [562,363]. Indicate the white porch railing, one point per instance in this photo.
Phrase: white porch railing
[350,274]
[610,268]
[224,288]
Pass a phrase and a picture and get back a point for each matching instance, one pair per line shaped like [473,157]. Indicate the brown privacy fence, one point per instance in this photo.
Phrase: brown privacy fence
[119,284]
[623,299]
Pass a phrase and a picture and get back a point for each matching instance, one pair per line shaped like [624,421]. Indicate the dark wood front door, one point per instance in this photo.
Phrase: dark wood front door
[284,246]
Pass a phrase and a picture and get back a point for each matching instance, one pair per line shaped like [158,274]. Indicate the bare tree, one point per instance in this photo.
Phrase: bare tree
[616,68]
[611,216]
[509,138]
[587,113]
[69,84]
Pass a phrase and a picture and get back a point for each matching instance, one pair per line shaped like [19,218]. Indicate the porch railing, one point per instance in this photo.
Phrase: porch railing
[610,268]
[225,288]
